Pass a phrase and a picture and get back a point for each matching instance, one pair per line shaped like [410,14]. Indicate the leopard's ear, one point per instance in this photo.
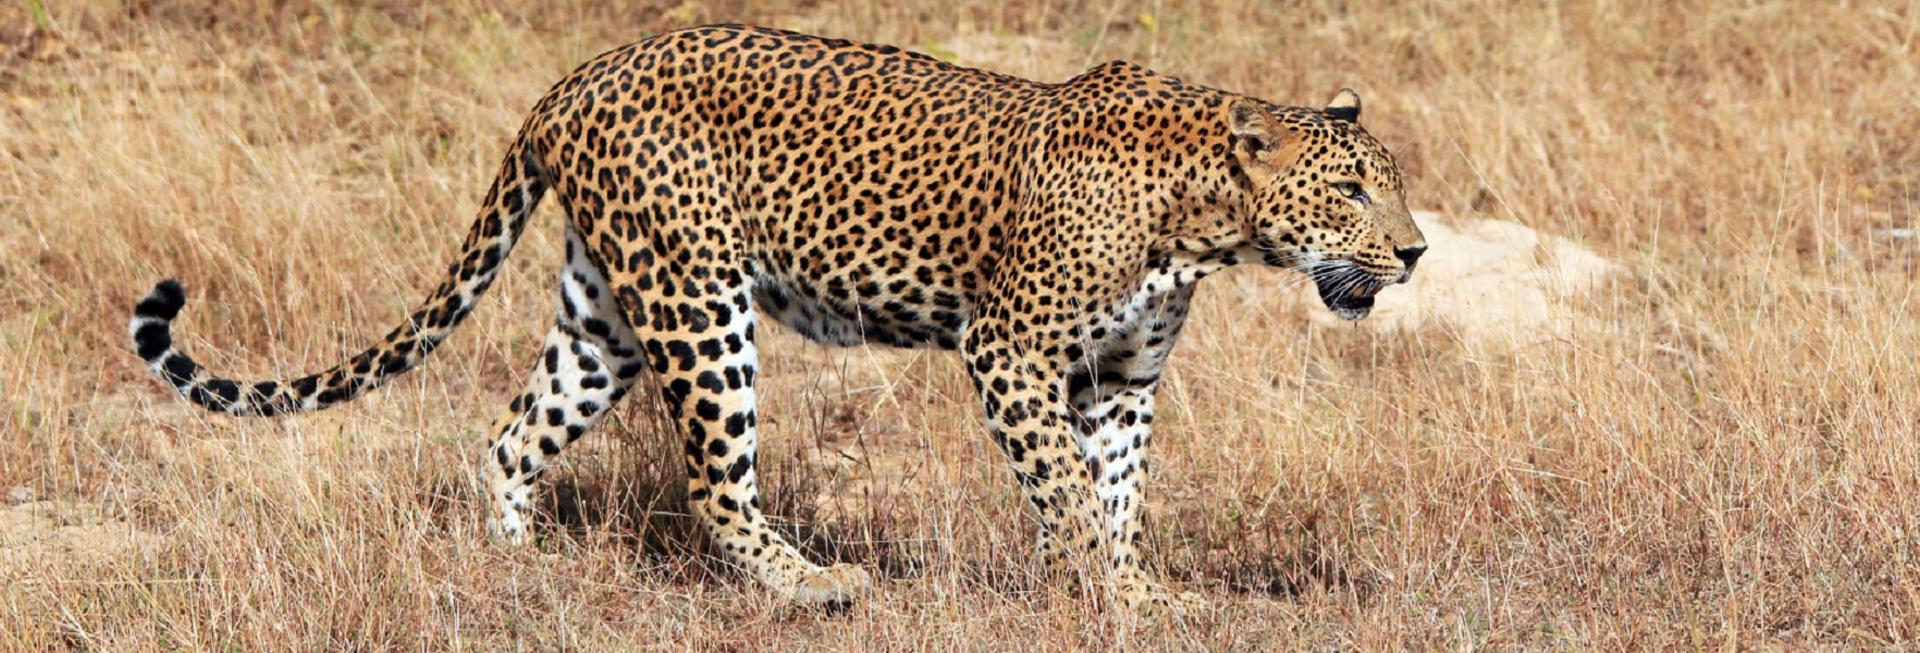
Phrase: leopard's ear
[1345,106]
[1255,129]
[1262,144]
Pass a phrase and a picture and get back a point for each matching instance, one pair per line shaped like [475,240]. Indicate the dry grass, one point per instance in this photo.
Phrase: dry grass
[1725,453]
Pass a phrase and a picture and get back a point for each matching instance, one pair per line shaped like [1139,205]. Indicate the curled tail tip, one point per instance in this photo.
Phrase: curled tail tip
[163,302]
[151,324]
[152,331]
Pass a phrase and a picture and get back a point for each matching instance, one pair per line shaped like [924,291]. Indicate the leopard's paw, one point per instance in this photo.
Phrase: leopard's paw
[832,588]
[508,530]
[1153,599]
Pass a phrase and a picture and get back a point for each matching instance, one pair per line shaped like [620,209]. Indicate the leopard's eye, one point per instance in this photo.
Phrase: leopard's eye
[1353,192]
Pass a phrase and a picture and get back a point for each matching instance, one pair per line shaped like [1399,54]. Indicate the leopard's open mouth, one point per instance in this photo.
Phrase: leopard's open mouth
[1348,291]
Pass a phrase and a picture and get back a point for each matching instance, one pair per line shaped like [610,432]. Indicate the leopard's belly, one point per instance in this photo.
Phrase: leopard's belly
[850,313]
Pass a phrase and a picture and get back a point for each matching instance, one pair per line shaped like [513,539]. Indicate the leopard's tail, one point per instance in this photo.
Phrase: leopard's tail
[515,192]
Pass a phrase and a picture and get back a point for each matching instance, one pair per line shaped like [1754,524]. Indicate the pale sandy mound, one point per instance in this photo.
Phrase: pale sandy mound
[1490,281]
[42,537]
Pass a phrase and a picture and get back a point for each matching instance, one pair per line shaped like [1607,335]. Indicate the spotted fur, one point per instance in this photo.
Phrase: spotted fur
[1051,233]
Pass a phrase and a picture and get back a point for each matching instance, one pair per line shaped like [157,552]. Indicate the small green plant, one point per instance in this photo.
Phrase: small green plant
[41,20]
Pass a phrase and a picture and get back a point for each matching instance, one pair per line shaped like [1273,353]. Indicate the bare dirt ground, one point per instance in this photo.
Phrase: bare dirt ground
[1493,283]
[39,538]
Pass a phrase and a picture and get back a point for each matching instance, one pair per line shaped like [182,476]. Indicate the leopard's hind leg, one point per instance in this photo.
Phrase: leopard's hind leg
[690,301]
[588,361]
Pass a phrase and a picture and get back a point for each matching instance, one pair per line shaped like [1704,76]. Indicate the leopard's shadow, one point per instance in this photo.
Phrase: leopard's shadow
[1285,577]
[632,495]
[643,506]
[1272,561]
[637,497]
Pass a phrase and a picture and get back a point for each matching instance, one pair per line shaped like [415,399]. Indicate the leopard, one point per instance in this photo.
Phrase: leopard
[718,178]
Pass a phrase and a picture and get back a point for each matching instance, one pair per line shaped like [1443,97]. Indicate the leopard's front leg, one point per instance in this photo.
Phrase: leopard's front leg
[1021,389]
[1113,397]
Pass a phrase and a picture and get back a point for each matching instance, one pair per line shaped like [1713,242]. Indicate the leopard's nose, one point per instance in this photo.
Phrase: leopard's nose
[1409,256]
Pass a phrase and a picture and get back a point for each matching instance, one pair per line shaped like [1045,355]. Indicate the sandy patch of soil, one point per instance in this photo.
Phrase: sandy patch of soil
[42,537]
[1492,282]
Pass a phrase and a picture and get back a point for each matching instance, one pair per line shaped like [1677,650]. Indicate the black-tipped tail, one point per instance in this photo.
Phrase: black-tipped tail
[515,192]
[152,326]
[152,331]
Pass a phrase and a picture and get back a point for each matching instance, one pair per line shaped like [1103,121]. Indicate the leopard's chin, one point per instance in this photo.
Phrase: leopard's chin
[1348,293]
[1350,309]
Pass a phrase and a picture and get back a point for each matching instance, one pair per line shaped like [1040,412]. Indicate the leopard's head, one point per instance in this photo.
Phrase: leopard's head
[1324,198]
